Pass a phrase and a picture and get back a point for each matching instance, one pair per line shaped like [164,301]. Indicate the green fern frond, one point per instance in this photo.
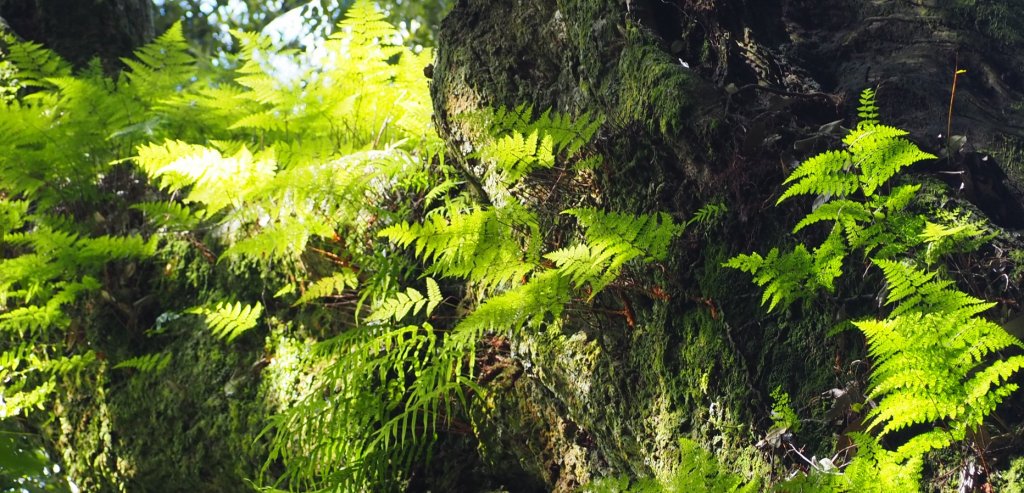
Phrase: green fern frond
[329,286]
[216,181]
[228,321]
[709,214]
[612,240]
[881,154]
[35,64]
[784,277]
[363,21]
[161,67]
[930,358]
[850,212]
[171,215]
[649,235]
[867,112]
[409,302]
[62,365]
[485,246]
[517,154]
[828,173]
[149,363]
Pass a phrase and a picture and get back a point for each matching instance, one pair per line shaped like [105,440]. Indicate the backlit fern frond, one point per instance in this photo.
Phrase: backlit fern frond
[329,286]
[867,112]
[228,321]
[783,276]
[880,153]
[930,359]
[365,23]
[483,245]
[828,173]
[149,363]
[912,289]
[409,302]
[171,215]
[648,235]
[516,143]
[612,240]
[215,181]
[34,63]
[161,67]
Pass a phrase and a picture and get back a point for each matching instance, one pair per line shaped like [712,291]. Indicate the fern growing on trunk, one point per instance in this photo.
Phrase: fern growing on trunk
[934,355]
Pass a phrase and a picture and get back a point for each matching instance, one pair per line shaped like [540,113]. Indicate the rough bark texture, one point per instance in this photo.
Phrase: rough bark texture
[716,100]
[82,30]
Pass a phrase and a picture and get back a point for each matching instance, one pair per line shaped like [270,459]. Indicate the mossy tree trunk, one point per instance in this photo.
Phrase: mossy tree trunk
[709,101]
[82,30]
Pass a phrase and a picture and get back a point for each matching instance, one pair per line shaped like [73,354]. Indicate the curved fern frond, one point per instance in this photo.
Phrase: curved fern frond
[492,246]
[149,363]
[409,302]
[161,67]
[828,173]
[228,321]
[35,64]
[329,286]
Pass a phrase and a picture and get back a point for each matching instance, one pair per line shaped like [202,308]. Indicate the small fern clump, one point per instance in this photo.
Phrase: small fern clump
[934,355]
[846,184]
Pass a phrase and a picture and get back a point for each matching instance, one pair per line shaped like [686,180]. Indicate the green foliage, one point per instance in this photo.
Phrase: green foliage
[228,321]
[874,223]
[697,471]
[934,356]
[783,415]
[612,239]
[931,360]
[513,143]
[149,363]
[489,246]
[409,302]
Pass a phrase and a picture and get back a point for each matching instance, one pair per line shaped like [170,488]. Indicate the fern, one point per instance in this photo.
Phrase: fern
[228,321]
[613,239]
[329,286]
[162,67]
[409,302]
[492,247]
[149,363]
[514,143]
[933,355]
[34,63]
[783,276]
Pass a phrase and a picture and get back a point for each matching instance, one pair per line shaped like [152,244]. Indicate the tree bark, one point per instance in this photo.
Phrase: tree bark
[716,100]
[82,30]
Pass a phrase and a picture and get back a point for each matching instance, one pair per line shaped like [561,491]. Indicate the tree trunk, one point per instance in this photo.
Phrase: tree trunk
[710,101]
[82,30]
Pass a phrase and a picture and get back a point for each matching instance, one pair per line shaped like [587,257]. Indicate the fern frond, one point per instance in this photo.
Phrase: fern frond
[929,358]
[649,235]
[170,215]
[867,112]
[329,286]
[35,64]
[485,246]
[409,302]
[847,212]
[149,363]
[828,173]
[881,153]
[228,321]
[161,67]
[216,181]
[784,277]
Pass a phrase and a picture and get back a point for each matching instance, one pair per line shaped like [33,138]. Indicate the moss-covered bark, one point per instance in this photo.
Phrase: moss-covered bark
[709,101]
